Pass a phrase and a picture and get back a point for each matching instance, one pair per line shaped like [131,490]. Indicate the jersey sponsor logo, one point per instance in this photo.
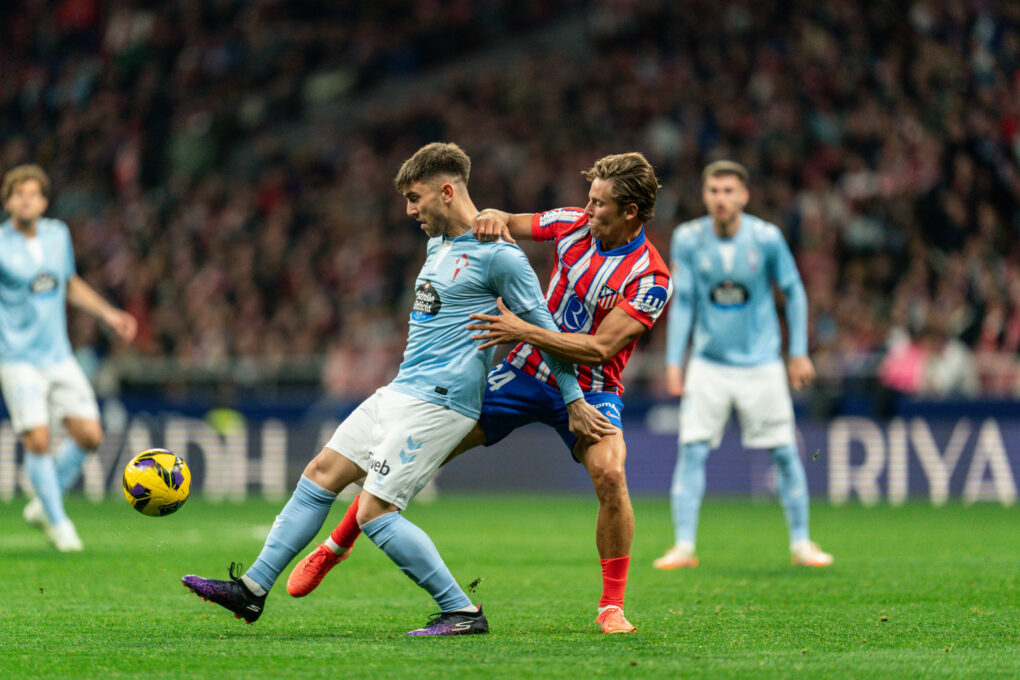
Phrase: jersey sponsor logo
[43,283]
[608,297]
[729,295]
[377,465]
[575,316]
[426,302]
[652,301]
[609,409]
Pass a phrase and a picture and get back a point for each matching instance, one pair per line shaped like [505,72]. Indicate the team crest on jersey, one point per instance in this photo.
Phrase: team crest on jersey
[652,301]
[608,297]
[43,284]
[460,263]
[426,302]
[752,260]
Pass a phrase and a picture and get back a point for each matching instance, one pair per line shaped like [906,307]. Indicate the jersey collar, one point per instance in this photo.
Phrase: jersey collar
[626,248]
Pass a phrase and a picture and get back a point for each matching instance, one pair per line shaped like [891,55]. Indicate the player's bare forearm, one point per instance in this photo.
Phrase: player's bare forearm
[617,330]
[578,348]
[492,225]
[81,295]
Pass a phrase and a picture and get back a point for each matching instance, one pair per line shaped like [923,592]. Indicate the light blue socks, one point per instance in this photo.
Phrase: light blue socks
[294,527]
[69,460]
[687,490]
[413,551]
[43,475]
[793,490]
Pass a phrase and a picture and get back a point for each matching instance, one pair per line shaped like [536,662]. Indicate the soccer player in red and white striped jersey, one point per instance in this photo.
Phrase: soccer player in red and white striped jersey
[588,283]
[608,286]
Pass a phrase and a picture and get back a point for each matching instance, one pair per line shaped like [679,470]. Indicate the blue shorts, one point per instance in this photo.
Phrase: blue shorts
[513,399]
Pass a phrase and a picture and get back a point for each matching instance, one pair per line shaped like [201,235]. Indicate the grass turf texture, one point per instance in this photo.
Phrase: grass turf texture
[916,591]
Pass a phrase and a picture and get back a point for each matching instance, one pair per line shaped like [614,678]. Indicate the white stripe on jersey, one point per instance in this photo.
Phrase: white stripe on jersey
[561,248]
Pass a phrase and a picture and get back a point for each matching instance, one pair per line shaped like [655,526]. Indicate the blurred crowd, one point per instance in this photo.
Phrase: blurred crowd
[226,167]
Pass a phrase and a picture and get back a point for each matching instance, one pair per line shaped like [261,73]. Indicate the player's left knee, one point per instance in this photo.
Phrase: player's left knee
[608,477]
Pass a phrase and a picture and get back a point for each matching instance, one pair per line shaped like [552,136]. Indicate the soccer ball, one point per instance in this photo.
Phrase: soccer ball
[157,482]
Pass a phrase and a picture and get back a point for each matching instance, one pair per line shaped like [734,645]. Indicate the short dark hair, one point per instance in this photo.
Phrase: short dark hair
[633,180]
[726,169]
[433,160]
[23,173]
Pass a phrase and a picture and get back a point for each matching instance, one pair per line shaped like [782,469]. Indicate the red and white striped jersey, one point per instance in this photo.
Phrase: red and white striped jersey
[587,283]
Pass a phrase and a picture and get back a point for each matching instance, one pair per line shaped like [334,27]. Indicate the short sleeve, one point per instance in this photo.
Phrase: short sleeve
[549,225]
[645,298]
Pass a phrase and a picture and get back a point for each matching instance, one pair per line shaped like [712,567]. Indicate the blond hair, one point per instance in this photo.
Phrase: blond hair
[24,173]
[433,160]
[632,178]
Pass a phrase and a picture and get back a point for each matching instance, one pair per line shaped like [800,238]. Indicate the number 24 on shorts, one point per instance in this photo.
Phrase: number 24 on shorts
[497,379]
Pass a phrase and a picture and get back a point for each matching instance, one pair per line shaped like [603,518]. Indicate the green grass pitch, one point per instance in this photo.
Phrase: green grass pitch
[916,591]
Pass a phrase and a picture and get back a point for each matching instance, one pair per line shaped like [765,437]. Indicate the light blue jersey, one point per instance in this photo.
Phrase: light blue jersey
[723,288]
[460,277]
[33,293]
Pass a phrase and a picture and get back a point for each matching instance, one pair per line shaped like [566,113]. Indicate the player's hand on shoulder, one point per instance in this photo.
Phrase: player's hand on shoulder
[587,422]
[801,372]
[490,225]
[675,381]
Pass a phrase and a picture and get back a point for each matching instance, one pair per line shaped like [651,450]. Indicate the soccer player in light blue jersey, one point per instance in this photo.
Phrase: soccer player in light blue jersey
[398,437]
[41,380]
[724,265]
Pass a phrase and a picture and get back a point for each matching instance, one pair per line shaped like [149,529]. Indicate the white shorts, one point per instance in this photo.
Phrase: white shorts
[399,441]
[45,396]
[760,395]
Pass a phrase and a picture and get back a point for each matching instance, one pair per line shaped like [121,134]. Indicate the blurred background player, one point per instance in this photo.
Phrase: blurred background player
[609,285]
[42,382]
[399,436]
[724,265]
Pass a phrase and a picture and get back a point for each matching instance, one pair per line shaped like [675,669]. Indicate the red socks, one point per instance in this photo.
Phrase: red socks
[614,581]
[348,531]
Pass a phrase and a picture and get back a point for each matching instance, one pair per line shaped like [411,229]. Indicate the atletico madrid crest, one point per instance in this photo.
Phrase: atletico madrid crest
[608,297]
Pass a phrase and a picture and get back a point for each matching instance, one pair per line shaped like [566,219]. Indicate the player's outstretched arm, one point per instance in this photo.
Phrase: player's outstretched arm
[84,297]
[615,332]
[492,225]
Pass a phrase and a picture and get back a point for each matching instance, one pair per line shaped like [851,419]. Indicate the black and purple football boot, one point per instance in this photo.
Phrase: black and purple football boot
[454,623]
[232,594]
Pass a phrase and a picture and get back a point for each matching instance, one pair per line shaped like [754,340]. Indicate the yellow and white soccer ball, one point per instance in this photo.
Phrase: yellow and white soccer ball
[157,482]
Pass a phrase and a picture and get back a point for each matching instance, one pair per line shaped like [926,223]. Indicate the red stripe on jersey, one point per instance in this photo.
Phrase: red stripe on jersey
[633,277]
